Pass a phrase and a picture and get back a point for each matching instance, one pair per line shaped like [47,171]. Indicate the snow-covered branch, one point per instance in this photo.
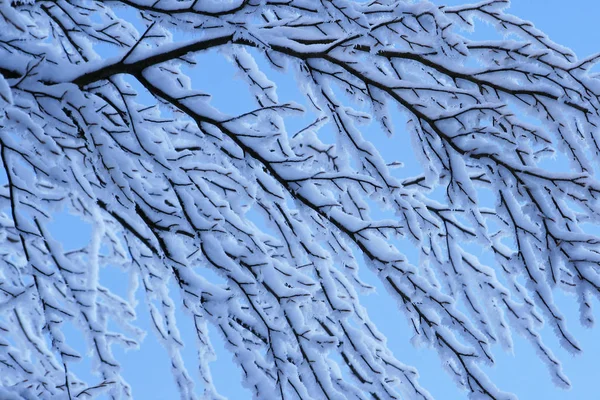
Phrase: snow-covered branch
[98,115]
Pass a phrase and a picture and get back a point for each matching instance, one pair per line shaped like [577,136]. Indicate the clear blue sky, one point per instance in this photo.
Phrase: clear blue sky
[573,24]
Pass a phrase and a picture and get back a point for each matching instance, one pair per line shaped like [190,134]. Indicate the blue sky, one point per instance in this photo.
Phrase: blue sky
[573,24]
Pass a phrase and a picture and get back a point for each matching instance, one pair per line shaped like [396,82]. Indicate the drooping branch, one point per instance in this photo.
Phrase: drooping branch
[174,187]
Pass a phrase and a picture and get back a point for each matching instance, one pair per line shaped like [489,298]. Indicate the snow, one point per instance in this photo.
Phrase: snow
[260,235]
